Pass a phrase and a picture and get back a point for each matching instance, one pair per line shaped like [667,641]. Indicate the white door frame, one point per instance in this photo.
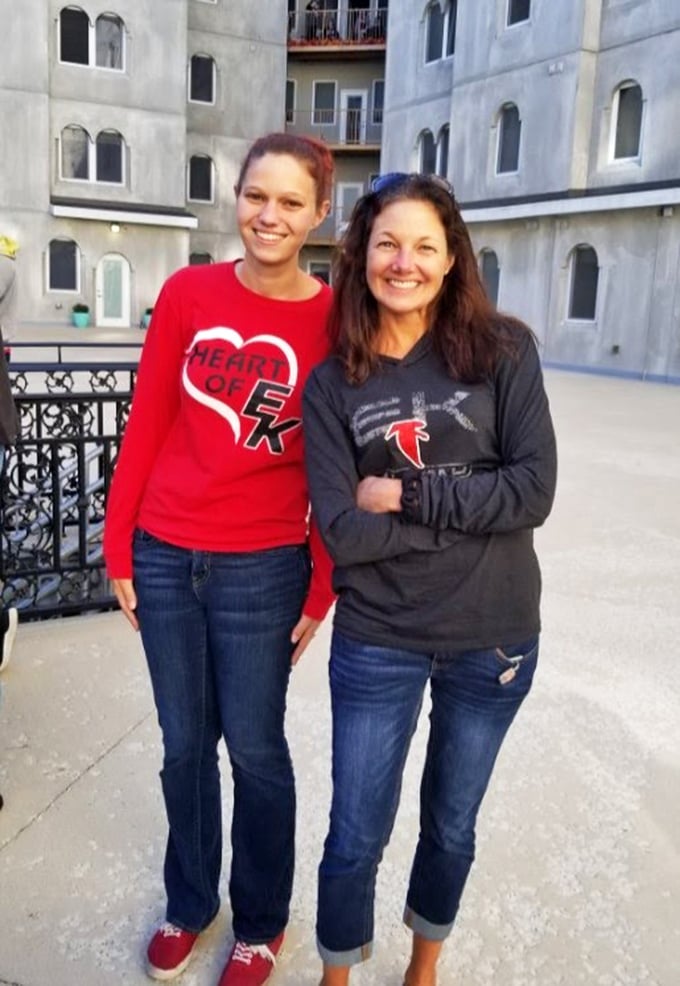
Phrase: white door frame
[100,318]
[345,95]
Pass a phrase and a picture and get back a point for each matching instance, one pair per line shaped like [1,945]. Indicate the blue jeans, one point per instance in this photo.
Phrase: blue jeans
[377,694]
[216,632]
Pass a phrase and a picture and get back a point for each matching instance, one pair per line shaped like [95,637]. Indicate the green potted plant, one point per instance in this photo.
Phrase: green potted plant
[146,318]
[80,315]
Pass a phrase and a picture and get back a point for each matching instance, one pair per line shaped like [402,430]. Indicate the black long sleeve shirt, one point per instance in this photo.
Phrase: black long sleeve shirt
[456,569]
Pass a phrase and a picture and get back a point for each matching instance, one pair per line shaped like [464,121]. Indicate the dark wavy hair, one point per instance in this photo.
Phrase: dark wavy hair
[311,152]
[467,331]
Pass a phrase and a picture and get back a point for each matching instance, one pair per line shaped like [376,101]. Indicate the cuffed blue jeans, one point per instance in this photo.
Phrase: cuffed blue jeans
[216,631]
[377,694]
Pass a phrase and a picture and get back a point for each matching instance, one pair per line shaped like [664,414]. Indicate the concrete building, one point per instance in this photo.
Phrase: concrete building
[334,91]
[123,127]
[556,121]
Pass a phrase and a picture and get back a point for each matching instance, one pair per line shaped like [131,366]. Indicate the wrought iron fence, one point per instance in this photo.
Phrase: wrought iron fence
[55,484]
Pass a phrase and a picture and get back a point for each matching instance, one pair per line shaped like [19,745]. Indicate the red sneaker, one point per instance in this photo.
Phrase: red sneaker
[251,965]
[169,951]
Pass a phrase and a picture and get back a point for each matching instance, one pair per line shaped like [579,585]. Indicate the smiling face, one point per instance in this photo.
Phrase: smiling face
[407,259]
[276,208]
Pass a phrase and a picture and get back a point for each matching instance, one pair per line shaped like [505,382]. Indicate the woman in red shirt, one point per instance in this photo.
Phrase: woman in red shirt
[207,544]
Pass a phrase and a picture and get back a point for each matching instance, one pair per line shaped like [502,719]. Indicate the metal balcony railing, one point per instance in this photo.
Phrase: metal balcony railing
[339,28]
[56,480]
[340,128]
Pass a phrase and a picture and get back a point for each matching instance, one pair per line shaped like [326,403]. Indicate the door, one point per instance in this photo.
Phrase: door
[353,104]
[346,194]
[112,291]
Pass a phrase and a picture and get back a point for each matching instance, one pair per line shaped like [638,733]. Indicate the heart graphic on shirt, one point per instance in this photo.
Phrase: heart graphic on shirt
[256,372]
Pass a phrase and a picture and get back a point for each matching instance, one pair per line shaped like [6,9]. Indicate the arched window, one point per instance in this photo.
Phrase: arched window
[196,258]
[200,178]
[75,153]
[509,133]
[62,265]
[584,278]
[202,79]
[491,274]
[628,121]
[74,36]
[428,153]
[109,156]
[440,30]
[451,16]
[443,151]
[434,32]
[85,160]
[101,44]
[109,41]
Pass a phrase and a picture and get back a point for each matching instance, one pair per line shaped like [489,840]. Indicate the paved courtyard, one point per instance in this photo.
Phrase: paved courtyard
[577,879]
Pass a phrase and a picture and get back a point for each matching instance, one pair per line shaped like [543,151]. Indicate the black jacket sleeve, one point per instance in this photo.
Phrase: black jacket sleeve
[352,536]
[517,494]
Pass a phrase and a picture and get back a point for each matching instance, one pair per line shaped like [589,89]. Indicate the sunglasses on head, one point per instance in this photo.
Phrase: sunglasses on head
[394,178]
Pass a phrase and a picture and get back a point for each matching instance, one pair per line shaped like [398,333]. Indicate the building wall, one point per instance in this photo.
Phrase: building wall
[148,104]
[561,69]
[417,94]
[638,312]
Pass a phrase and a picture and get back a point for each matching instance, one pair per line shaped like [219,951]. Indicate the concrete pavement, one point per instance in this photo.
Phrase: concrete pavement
[578,860]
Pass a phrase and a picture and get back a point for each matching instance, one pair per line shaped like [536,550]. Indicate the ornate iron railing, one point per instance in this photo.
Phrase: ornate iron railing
[55,484]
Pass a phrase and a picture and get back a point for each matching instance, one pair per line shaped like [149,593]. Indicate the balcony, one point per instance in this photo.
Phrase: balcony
[348,33]
[346,130]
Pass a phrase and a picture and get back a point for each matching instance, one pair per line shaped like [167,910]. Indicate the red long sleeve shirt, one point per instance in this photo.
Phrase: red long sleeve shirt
[212,457]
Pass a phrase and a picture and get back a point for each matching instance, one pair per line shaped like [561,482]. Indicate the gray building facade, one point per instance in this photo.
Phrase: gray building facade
[556,122]
[123,127]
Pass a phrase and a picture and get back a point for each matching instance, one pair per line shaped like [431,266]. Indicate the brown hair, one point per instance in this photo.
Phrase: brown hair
[467,331]
[313,153]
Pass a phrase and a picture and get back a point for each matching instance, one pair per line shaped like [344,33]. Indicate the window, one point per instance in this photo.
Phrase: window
[584,277]
[197,258]
[509,133]
[428,153]
[324,103]
[491,273]
[200,178]
[518,11]
[74,36]
[62,266]
[109,157]
[440,31]
[435,32]
[290,100]
[451,15]
[378,101]
[101,160]
[443,151]
[75,153]
[109,39]
[628,117]
[202,79]
[320,269]
[100,44]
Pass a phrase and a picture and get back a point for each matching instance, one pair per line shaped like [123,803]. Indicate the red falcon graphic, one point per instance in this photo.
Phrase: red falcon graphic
[409,434]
